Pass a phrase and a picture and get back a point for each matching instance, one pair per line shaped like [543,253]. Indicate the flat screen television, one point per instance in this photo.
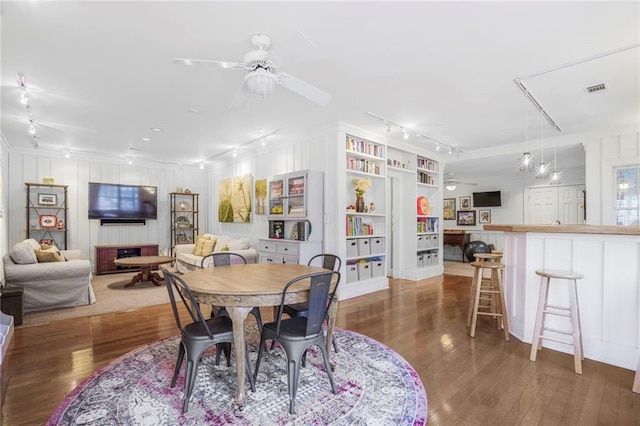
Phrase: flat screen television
[487,199]
[122,202]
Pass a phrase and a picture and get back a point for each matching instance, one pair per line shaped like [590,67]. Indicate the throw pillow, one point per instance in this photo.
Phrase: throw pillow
[23,254]
[222,242]
[238,244]
[45,256]
[224,249]
[208,246]
[197,247]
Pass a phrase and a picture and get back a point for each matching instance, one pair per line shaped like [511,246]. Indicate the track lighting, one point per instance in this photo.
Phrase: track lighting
[419,136]
[234,154]
[24,99]
[67,154]
[201,166]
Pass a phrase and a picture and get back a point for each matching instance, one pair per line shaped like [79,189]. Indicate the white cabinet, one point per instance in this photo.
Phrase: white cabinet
[282,251]
[296,211]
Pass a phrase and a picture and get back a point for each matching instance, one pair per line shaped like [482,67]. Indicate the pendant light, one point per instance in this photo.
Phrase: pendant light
[526,162]
[555,175]
[542,172]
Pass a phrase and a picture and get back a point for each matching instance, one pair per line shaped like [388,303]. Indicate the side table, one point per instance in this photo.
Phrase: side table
[11,303]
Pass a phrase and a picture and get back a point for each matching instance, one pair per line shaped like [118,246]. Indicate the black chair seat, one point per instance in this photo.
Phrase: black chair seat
[220,326]
[297,309]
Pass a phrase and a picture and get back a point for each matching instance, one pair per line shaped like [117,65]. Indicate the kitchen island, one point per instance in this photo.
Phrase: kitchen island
[609,294]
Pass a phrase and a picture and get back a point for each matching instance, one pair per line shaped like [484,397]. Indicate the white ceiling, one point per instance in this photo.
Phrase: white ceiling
[100,74]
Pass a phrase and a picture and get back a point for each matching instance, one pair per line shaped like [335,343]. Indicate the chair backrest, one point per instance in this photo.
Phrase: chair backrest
[174,282]
[223,258]
[319,299]
[327,261]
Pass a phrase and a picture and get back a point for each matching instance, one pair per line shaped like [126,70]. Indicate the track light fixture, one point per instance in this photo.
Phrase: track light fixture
[24,99]
[234,151]
[406,133]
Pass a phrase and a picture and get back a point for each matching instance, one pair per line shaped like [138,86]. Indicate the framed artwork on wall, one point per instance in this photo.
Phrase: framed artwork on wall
[466,218]
[485,216]
[465,203]
[449,209]
[47,199]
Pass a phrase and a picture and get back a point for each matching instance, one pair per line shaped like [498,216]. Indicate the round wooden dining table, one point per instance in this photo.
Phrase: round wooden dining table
[241,287]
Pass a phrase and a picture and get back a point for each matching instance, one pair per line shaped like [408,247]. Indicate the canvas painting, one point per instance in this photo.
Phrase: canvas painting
[261,196]
[449,209]
[234,199]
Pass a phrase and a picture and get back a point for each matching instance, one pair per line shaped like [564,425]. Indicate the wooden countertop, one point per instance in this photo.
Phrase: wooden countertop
[567,229]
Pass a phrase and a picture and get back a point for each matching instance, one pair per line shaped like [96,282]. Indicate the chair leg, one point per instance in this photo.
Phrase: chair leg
[327,367]
[472,295]
[542,301]
[575,328]
[503,307]
[176,371]
[476,300]
[333,340]
[262,343]
[293,370]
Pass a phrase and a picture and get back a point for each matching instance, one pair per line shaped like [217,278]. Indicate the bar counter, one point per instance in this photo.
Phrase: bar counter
[609,294]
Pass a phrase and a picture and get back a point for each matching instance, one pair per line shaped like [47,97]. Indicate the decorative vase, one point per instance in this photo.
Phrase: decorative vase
[359,203]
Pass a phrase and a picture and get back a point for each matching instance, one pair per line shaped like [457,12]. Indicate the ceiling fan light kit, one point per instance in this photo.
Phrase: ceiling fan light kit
[260,82]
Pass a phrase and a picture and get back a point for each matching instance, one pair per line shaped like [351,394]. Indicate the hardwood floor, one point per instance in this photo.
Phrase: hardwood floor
[480,381]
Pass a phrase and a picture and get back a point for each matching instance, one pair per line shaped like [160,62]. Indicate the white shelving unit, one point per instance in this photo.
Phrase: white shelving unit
[295,232]
[365,242]
[423,258]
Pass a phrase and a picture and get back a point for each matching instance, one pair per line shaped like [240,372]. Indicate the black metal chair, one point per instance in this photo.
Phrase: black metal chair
[326,261]
[197,336]
[223,258]
[295,335]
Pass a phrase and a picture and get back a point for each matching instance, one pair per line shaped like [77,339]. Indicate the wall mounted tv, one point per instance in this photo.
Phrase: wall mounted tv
[487,199]
[114,203]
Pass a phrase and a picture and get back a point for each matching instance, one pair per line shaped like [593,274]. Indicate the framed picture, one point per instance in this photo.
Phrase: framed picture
[465,203]
[48,221]
[449,209]
[466,217]
[485,216]
[47,199]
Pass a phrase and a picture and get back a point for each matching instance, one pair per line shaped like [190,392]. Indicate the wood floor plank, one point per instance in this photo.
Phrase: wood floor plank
[469,381]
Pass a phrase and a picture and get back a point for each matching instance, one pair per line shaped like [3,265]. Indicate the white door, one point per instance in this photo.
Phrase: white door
[543,205]
[571,204]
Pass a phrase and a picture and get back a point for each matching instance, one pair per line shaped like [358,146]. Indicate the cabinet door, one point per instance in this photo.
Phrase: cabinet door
[276,197]
[296,195]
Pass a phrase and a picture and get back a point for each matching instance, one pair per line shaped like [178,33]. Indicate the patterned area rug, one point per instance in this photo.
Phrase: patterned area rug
[376,386]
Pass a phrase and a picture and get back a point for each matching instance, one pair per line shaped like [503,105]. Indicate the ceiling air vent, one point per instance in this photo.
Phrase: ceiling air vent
[597,88]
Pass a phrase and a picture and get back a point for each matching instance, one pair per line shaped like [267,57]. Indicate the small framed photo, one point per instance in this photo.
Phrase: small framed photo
[48,221]
[449,209]
[485,216]
[466,218]
[47,199]
[465,203]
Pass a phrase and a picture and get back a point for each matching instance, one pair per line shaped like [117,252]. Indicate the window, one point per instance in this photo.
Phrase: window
[628,196]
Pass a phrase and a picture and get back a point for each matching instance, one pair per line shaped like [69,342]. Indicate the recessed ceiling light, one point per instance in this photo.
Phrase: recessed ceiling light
[156,129]
[146,139]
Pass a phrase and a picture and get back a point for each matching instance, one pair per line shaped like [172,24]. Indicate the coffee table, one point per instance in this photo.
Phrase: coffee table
[145,263]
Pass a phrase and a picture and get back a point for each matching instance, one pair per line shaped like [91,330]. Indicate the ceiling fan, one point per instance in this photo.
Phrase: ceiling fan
[264,73]
[450,183]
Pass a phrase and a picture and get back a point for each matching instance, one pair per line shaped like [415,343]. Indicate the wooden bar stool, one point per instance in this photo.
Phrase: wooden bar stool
[572,312]
[486,284]
[490,291]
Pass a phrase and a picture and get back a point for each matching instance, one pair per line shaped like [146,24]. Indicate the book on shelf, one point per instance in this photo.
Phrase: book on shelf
[276,229]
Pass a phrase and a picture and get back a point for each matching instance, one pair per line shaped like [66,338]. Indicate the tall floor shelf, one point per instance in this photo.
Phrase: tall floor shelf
[184,220]
[47,213]
[375,243]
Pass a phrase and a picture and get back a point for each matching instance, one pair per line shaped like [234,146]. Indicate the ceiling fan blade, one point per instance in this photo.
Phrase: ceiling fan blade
[303,88]
[221,64]
[240,99]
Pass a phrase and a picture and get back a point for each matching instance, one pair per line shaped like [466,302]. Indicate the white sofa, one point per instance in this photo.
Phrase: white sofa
[187,261]
[48,285]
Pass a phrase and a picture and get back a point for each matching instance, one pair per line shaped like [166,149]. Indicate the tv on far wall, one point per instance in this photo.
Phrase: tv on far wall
[122,202]
[487,199]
